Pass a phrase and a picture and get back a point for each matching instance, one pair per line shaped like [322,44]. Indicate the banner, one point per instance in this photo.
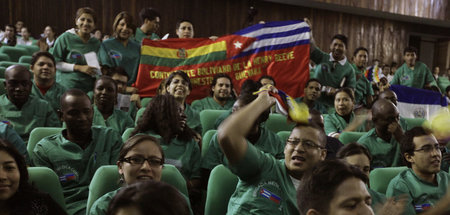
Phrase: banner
[278,49]
[418,103]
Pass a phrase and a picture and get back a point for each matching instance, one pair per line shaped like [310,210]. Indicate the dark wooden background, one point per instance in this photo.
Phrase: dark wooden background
[384,38]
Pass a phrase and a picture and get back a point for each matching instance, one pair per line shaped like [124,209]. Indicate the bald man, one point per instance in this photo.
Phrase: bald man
[383,140]
[391,96]
[18,108]
[76,152]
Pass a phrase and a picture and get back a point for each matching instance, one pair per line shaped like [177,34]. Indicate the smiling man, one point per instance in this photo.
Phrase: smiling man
[363,92]
[221,95]
[150,19]
[267,185]
[312,94]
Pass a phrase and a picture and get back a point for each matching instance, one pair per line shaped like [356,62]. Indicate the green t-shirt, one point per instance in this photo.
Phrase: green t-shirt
[378,199]
[317,105]
[210,103]
[140,35]
[76,166]
[118,121]
[384,154]
[185,156]
[416,78]
[70,48]
[264,187]
[421,194]
[112,53]
[8,133]
[193,119]
[336,124]
[363,88]
[52,96]
[34,113]
[268,142]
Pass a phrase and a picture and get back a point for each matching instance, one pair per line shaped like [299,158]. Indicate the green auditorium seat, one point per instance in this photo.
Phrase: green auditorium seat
[208,119]
[414,122]
[37,134]
[126,134]
[206,140]
[14,53]
[380,177]
[278,122]
[30,49]
[25,59]
[350,137]
[145,101]
[2,71]
[283,135]
[139,114]
[46,180]
[4,57]
[6,64]
[221,185]
[2,86]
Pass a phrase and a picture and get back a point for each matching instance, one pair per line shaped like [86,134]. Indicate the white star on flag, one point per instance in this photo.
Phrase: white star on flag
[237,45]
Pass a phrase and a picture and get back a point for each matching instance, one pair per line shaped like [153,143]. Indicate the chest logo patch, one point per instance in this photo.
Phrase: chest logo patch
[269,195]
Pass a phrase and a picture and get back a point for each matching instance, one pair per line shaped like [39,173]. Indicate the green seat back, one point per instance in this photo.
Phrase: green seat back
[4,57]
[139,114]
[278,122]
[221,185]
[126,134]
[14,53]
[283,135]
[414,122]
[443,82]
[2,71]
[106,179]
[45,180]
[145,101]
[350,137]
[208,119]
[25,59]
[37,134]
[380,177]
[2,86]
[30,49]
[6,64]
[206,140]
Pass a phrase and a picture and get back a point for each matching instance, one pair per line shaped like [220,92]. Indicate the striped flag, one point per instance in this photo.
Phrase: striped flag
[418,103]
[279,49]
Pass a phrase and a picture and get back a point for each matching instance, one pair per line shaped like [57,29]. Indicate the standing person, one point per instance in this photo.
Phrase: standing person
[222,96]
[184,29]
[9,37]
[44,83]
[69,50]
[120,50]
[47,42]
[363,92]
[150,19]
[25,39]
[312,95]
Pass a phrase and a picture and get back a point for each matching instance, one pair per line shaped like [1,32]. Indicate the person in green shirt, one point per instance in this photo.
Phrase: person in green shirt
[363,91]
[150,19]
[125,101]
[178,84]
[105,95]
[382,141]
[312,94]
[391,96]
[344,119]
[78,151]
[424,184]
[414,73]
[222,96]
[22,111]
[121,50]
[267,185]
[44,83]
[9,134]
[69,51]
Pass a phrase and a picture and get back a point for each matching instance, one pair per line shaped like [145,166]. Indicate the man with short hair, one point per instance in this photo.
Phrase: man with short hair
[25,39]
[267,79]
[413,73]
[267,185]
[363,92]
[391,96]
[150,19]
[23,111]
[423,182]
[125,101]
[221,95]
[44,82]
[382,141]
[312,95]
[9,36]
[77,151]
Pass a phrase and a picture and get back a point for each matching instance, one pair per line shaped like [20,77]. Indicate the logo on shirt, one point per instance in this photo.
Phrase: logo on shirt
[67,177]
[422,207]
[76,56]
[269,195]
[115,55]
[405,78]
[66,173]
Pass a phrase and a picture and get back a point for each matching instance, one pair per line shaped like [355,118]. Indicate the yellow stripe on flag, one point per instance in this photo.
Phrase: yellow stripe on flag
[194,52]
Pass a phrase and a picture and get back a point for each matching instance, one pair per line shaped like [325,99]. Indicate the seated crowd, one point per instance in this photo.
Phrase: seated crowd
[104,121]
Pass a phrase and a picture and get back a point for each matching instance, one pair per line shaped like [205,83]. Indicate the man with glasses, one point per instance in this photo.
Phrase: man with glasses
[382,141]
[267,185]
[78,151]
[18,108]
[423,182]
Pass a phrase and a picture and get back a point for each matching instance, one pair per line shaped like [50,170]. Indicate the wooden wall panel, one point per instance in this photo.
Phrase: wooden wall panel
[385,39]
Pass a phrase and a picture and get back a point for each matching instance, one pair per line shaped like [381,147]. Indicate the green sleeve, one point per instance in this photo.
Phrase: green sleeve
[58,49]
[116,147]
[317,56]
[351,80]
[330,127]
[39,156]
[250,167]
[52,119]
[429,77]
[213,156]
[129,121]
[396,79]
[103,56]
[197,105]
[12,136]
[397,188]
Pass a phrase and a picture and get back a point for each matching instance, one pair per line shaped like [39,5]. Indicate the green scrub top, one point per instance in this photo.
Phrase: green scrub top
[75,166]
[113,54]
[52,96]
[70,48]
[363,88]
[193,119]
[185,156]
[317,105]
[384,154]
[118,121]
[34,113]
[421,194]
[416,78]
[8,133]
[264,187]
[336,124]
[140,35]
[211,104]
[268,142]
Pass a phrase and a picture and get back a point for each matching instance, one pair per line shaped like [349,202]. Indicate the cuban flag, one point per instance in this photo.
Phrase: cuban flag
[269,195]
[67,177]
[418,103]
[279,49]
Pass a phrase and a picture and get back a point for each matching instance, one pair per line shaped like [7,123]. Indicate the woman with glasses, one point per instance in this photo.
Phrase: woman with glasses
[344,118]
[140,159]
